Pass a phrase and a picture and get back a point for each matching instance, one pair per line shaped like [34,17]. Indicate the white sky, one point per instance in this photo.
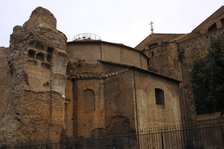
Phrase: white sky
[119,21]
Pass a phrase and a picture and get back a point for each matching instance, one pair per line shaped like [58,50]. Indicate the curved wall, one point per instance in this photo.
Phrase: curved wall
[91,51]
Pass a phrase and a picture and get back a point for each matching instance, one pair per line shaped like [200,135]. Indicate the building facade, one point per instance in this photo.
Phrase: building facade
[173,55]
[52,89]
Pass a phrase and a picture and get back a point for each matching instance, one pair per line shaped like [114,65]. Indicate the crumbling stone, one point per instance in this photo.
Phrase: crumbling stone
[37,63]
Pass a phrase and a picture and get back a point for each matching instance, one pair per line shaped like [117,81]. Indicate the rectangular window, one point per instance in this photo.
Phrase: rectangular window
[159,96]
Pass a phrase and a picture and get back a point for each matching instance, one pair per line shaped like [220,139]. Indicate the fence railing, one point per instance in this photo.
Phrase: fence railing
[200,135]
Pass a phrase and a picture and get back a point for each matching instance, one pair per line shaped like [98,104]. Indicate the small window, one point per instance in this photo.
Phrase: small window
[152,54]
[40,56]
[31,53]
[159,96]
[213,27]
[50,50]
[222,22]
[49,54]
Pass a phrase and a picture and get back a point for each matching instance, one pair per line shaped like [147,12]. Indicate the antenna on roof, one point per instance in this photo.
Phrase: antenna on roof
[151,24]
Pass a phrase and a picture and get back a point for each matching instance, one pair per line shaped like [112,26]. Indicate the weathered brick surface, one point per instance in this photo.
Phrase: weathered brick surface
[4,79]
[37,60]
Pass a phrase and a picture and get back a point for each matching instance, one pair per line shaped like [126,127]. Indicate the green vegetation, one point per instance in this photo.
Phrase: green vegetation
[208,80]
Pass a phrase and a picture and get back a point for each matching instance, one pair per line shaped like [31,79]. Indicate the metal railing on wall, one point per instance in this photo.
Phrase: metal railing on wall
[200,135]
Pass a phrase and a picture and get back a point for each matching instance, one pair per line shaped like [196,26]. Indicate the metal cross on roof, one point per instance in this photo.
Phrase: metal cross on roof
[151,24]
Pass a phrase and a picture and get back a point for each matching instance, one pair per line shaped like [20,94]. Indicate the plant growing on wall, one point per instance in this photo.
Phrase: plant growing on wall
[208,80]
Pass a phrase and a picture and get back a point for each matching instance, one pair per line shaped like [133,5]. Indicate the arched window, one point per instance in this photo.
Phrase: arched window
[40,56]
[159,96]
[89,96]
[49,54]
[152,54]
[31,53]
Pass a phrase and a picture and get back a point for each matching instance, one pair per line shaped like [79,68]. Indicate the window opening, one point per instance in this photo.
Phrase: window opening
[159,96]
[40,56]
[31,53]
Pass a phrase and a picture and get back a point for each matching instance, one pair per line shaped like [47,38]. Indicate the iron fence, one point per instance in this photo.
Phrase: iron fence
[200,135]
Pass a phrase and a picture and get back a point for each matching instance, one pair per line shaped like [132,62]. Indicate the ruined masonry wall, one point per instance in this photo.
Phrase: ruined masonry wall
[4,79]
[37,71]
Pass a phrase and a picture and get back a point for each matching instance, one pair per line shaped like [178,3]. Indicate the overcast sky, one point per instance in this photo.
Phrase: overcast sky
[119,21]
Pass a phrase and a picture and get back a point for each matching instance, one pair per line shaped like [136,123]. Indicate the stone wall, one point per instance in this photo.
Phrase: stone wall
[92,51]
[213,22]
[37,72]
[89,107]
[174,57]
[164,60]
[190,50]
[99,106]
[119,105]
[149,113]
[120,100]
[108,91]
[4,79]
[156,39]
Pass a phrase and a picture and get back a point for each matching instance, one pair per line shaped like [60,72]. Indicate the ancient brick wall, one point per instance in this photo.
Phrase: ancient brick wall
[4,79]
[164,60]
[213,22]
[100,101]
[155,39]
[119,102]
[92,51]
[150,112]
[37,68]
[112,99]
[190,50]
